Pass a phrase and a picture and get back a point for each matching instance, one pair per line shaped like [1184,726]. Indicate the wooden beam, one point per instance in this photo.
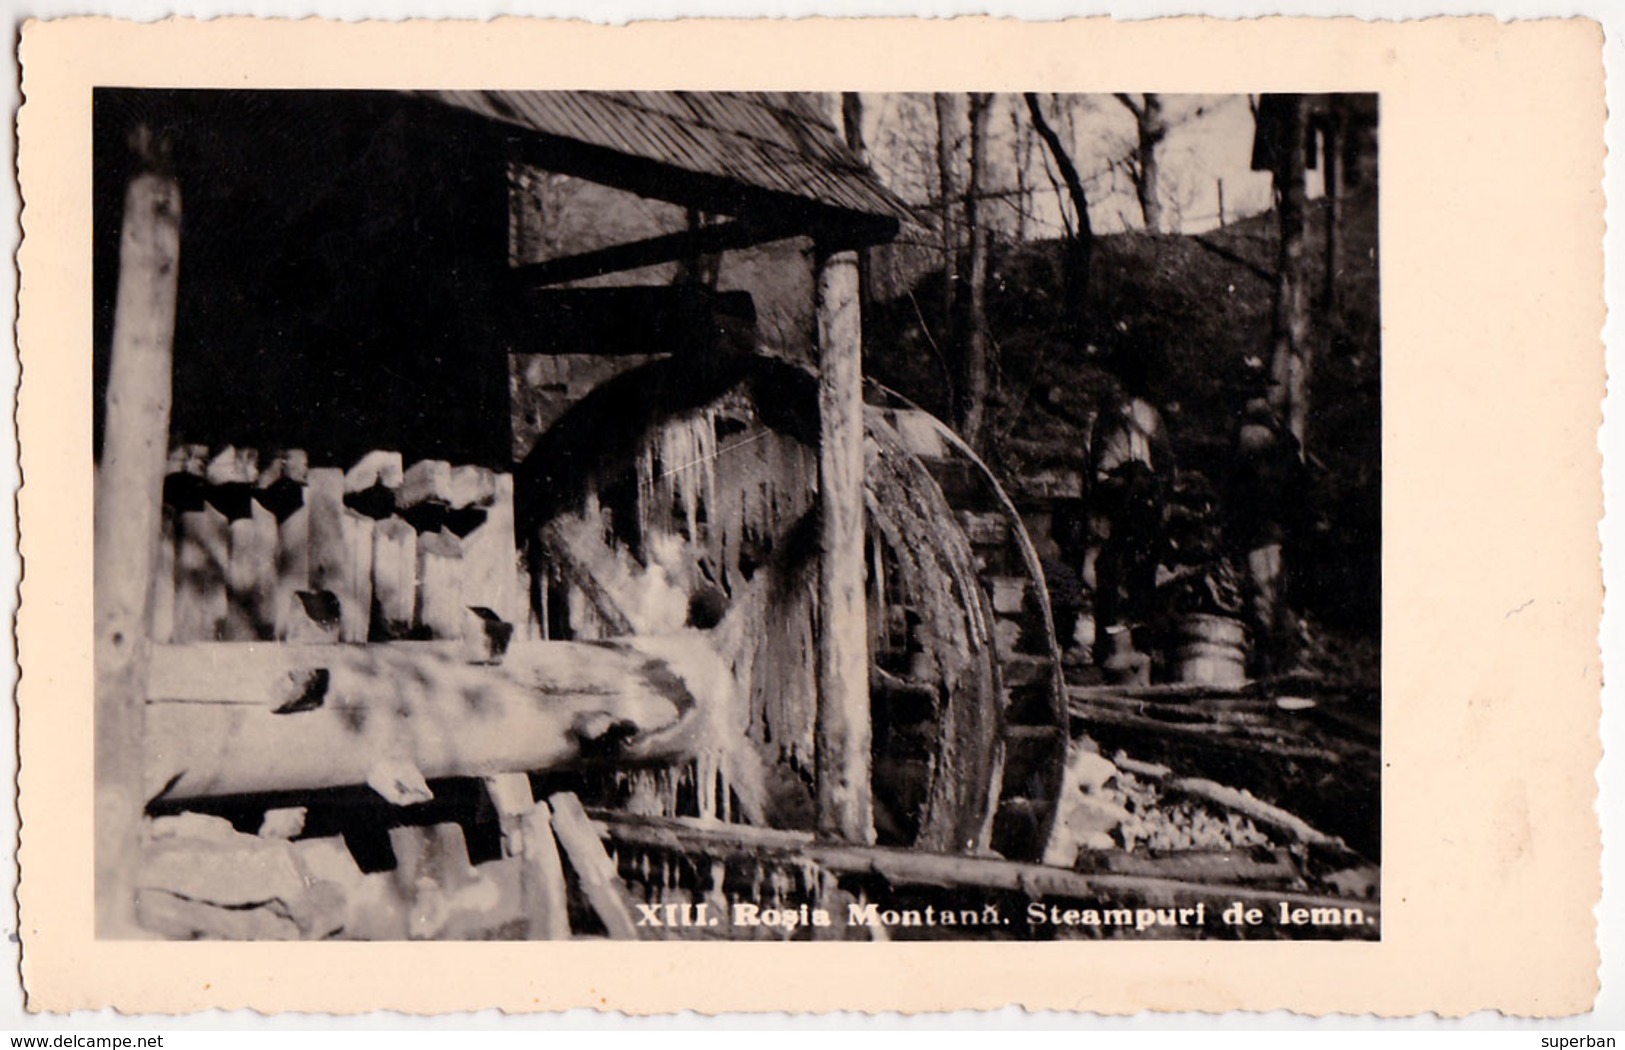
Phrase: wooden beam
[228,718]
[599,880]
[545,898]
[669,247]
[634,319]
[900,867]
[128,514]
[845,807]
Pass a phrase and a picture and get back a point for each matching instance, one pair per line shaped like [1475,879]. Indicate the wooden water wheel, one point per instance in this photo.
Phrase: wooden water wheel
[681,496]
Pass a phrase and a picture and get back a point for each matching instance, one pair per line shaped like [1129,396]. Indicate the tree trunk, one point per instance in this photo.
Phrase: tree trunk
[973,384]
[1332,151]
[1151,127]
[1081,248]
[943,103]
[1023,139]
[128,514]
[1292,356]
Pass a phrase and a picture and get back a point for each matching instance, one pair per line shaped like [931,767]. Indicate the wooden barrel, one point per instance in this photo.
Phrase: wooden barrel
[1212,651]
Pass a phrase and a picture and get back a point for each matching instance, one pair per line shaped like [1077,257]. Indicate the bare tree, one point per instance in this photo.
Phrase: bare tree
[1331,142]
[1022,138]
[1080,246]
[1283,119]
[973,385]
[1144,167]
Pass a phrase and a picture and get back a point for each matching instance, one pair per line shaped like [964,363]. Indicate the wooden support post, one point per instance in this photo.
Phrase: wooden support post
[129,498]
[845,809]
[545,898]
[251,577]
[599,880]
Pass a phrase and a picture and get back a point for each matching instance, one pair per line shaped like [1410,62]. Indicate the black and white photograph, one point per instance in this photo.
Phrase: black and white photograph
[762,516]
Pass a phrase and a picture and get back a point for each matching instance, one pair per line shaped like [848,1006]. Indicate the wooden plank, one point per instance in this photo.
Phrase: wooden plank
[329,546]
[596,873]
[440,585]
[686,244]
[491,560]
[251,577]
[355,597]
[394,578]
[292,569]
[128,511]
[626,319]
[162,629]
[203,549]
[235,718]
[845,808]
[281,488]
[545,897]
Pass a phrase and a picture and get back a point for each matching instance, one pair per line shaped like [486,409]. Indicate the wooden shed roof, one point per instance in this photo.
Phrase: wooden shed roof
[754,155]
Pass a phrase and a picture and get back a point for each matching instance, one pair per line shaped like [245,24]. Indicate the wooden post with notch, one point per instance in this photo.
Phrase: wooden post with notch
[845,808]
[129,498]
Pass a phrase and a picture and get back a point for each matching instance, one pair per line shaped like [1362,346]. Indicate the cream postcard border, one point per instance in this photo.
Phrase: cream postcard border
[1491,240]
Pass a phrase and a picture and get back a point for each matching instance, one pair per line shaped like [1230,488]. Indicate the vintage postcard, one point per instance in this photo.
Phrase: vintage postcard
[805,516]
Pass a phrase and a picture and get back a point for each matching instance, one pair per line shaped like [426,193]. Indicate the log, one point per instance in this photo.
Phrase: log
[128,510]
[898,867]
[1210,736]
[599,880]
[845,808]
[232,718]
[1210,866]
[546,900]
[1255,809]
[1163,691]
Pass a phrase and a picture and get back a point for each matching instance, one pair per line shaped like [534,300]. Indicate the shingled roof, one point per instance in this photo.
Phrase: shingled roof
[739,153]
